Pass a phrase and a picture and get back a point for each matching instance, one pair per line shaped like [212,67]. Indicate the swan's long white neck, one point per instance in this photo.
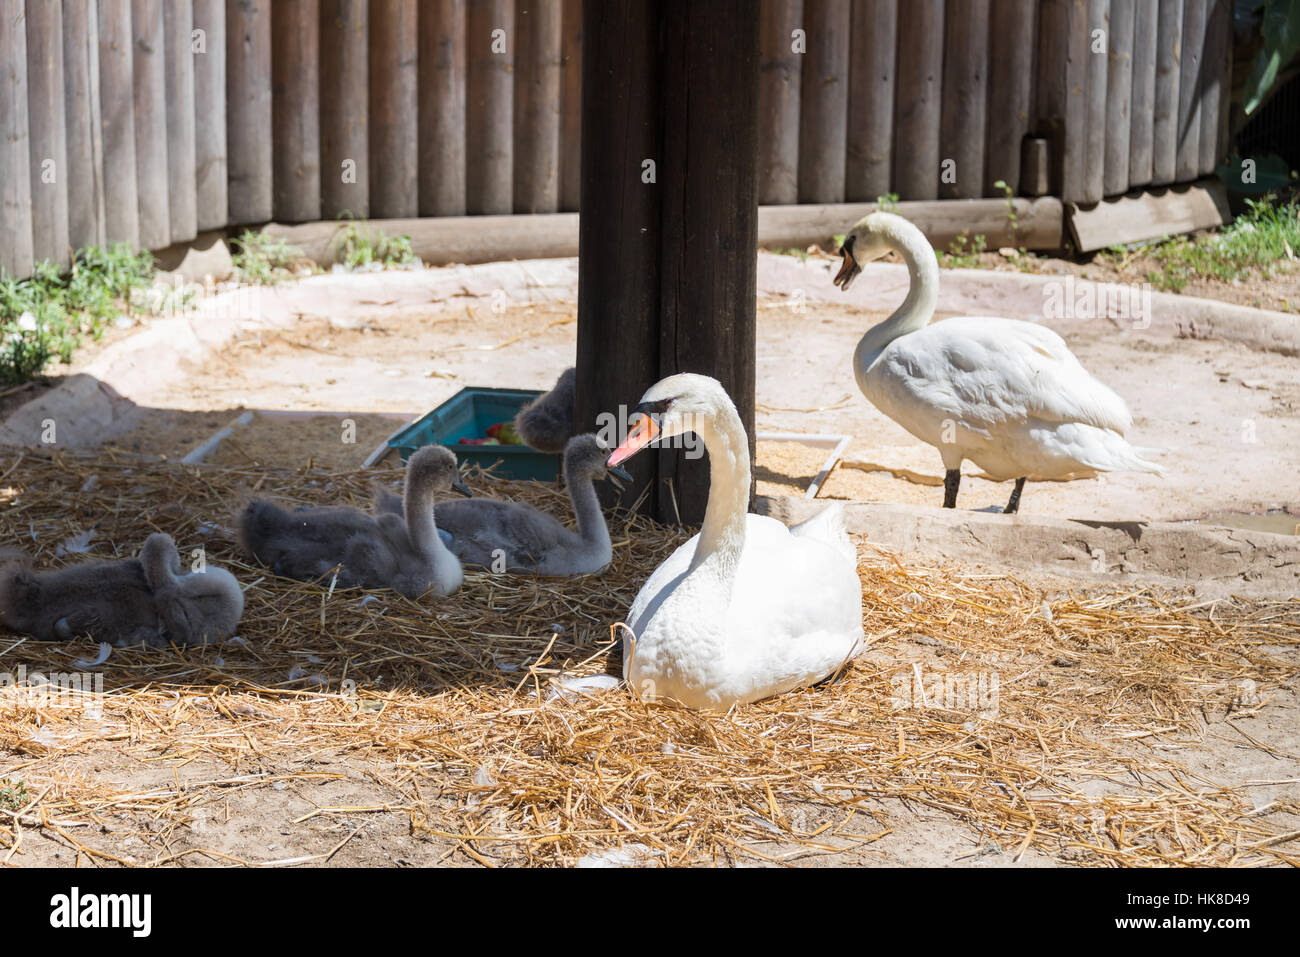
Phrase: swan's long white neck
[922,292]
[722,537]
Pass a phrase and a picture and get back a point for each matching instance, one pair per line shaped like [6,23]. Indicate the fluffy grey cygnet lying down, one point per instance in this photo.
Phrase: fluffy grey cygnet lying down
[144,599]
[379,550]
[546,423]
[513,537]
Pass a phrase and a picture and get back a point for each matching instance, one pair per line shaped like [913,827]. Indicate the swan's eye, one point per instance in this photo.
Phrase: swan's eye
[655,408]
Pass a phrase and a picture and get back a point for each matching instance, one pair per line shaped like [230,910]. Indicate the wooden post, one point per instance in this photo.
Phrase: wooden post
[873,45]
[178,27]
[49,172]
[780,78]
[1070,57]
[295,110]
[394,110]
[210,169]
[248,110]
[489,127]
[1164,123]
[1146,39]
[344,109]
[1218,29]
[442,108]
[1188,159]
[1119,95]
[571,109]
[709,180]
[823,106]
[1011,85]
[538,74]
[117,109]
[918,104]
[149,72]
[15,155]
[619,233]
[669,230]
[965,94]
[84,166]
[1094,106]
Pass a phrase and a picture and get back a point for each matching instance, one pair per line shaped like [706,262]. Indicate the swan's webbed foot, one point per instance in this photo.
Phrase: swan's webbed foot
[1013,504]
[951,479]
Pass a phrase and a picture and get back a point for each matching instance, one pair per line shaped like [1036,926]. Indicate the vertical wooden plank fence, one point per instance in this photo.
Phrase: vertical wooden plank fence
[344,109]
[210,168]
[47,131]
[965,93]
[178,27]
[1012,32]
[149,84]
[823,105]
[538,83]
[83,168]
[489,124]
[151,120]
[780,74]
[295,110]
[442,108]
[917,109]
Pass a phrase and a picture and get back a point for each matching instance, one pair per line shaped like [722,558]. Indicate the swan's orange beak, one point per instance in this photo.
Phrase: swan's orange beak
[848,268]
[643,433]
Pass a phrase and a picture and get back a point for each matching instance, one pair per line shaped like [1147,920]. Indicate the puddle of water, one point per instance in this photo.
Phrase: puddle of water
[1275,520]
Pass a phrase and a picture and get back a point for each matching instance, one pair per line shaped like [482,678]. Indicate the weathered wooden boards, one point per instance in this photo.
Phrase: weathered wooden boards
[295,109]
[539,73]
[472,239]
[872,68]
[1012,32]
[670,210]
[823,101]
[47,132]
[15,145]
[394,105]
[208,45]
[917,106]
[1149,215]
[442,108]
[84,165]
[344,112]
[178,71]
[248,111]
[151,120]
[489,124]
[780,73]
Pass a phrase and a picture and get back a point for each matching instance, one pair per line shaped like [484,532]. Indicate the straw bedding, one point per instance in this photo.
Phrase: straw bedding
[455,700]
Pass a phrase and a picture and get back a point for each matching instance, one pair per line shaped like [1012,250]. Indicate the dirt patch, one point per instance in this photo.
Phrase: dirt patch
[1130,726]
[321,441]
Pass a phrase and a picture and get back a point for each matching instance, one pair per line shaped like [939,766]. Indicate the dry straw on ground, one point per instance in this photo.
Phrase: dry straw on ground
[452,705]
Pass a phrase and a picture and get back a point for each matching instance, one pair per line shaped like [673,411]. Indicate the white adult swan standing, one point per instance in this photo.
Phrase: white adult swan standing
[748,607]
[1006,394]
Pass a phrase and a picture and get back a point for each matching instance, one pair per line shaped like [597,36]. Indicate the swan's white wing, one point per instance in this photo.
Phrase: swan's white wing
[986,373]
[659,585]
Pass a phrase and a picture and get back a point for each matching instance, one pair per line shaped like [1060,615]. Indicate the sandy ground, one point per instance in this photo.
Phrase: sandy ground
[1227,416]
[371,350]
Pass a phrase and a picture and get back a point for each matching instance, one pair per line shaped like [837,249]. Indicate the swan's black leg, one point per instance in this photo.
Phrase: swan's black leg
[951,479]
[1013,504]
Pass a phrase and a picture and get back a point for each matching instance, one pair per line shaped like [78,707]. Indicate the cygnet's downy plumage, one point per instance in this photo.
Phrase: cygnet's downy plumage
[514,537]
[364,550]
[126,602]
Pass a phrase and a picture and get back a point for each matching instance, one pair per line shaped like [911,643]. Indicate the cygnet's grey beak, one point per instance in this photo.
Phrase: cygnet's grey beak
[618,477]
[460,487]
